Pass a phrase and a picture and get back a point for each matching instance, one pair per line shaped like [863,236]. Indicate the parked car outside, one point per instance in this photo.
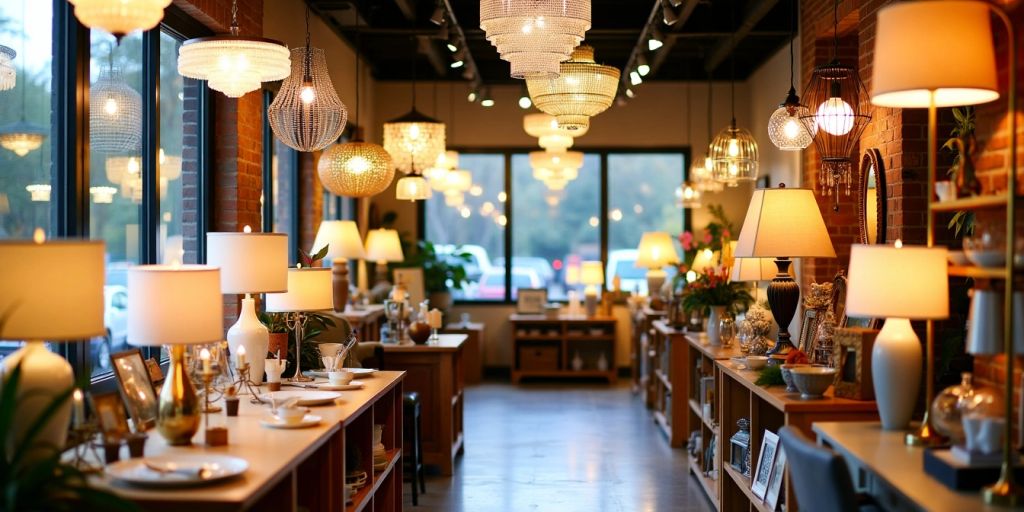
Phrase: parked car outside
[540,266]
[492,283]
[622,263]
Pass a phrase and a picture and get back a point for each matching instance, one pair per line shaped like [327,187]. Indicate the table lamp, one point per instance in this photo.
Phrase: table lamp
[704,259]
[53,291]
[249,263]
[591,275]
[309,289]
[341,237]
[783,223]
[383,247]
[754,270]
[654,253]
[175,305]
[899,283]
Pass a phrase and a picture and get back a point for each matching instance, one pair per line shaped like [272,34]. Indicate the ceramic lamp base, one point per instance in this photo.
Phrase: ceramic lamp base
[250,333]
[655,280]
[339,280]
[44,375]
[896,372]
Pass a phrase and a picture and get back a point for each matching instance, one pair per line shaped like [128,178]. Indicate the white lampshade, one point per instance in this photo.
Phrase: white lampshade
[174,305]
[249,262]
[341,238]
[656,250]
[704,260]
[906,282]
[784,223]
[592,273]
[53,291]
[309,289]
[383,245]
[915,42]
[754,269]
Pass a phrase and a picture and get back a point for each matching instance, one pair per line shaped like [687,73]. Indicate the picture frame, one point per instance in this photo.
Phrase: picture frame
[531,301]
[412,280]
[809,327]
[136,386]
[851,356]
[765,462]
[775,481]
[156,374]
[110,415]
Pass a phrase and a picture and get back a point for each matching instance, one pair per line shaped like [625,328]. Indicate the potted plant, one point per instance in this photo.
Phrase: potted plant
[441,272]
[713,294]
[282,336]
[962,143]
[277,324]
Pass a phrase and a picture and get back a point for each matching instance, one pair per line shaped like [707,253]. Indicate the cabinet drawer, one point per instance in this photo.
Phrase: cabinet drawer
[538,358]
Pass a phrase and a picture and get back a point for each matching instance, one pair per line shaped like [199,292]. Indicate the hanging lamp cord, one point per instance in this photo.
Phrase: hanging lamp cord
[308,57]
[359,77]
[732,67]
[792,36]
[835,30]
[234,17]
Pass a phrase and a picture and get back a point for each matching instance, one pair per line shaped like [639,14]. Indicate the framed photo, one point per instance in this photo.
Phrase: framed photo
[531,301]
[851,356]
[110,414]
[812,317]
[775,482]
[156,374]
[765,462]
[412,280]
[137,389]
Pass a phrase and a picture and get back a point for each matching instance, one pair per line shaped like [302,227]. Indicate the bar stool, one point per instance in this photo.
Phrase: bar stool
[412,461]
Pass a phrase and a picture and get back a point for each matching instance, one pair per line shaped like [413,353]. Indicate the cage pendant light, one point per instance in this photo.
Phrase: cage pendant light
[8,75]
[534,36]
[357,168]
[733,151]
[838,112]
[785,129]
[583,90]
[115,114]
[119,17]
[231,63]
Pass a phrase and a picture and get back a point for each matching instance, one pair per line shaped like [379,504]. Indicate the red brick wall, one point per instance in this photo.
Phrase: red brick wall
[311,199]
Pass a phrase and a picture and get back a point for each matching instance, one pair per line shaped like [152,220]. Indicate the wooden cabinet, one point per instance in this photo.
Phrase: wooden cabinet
[640,338]
[563,347]
[472,349]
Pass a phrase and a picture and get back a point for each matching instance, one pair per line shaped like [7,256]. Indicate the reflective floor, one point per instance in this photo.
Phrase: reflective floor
[562,447]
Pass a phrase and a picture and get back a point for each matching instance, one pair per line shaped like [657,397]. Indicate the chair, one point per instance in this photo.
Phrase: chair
[413,460]
[820,477]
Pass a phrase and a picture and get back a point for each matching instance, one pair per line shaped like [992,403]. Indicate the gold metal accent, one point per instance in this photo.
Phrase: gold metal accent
[179,407]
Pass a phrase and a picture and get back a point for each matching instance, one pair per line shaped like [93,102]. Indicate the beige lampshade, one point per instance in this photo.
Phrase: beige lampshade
[592,273]
[249,262]
[51,291]
[383,245]
[341,238]
[784,223]
[754,269]
[704,260]
[309,289]
[656,250]
[889,282]
[916,44]
[174,305]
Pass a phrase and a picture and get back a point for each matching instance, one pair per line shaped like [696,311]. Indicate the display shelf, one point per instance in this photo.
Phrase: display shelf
[709,485]
[664,379]
[551,354]
[743,483]
[640,359]
[990,201]
[695,407]
[978,272]
[662,422]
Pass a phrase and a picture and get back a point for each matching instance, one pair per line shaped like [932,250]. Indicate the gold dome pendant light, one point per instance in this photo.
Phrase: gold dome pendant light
[357,168]
[234,64]
[115,112]
[838,114]
[306,114]
[785,129]
[120,17]
[8,75]
[583,90]
[534,36]
[733,151]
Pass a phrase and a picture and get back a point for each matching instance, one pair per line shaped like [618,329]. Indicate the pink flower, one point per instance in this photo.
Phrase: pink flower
[686,239]
[726,234]
[707,237]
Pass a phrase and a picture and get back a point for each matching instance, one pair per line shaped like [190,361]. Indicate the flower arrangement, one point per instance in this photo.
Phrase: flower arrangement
[714,238]
[713,288]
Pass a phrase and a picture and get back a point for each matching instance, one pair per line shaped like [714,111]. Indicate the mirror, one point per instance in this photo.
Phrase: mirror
[871,198]
[839,306]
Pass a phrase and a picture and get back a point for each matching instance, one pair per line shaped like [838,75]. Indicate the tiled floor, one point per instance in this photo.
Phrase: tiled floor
[562,448]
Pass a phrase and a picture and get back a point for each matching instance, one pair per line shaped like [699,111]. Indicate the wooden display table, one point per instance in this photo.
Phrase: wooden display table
[291,470]
[545,347]
[435,371]
[640,340]
[472,350]
[365,322]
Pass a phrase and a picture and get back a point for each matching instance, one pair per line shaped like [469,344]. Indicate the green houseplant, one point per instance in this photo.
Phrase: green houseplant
[442,272]
[962,143]
[280,335]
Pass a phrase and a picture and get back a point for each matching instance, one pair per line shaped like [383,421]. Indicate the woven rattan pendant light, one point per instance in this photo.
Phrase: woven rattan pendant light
[233,64]
[583,90]
[785,129]
[357,168]
[306,113]
[115,113]
[534,36]
[120,17]
[8,75]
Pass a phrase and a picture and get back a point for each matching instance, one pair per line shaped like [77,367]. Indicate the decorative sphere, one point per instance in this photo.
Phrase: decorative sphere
[835,116]
[787,132]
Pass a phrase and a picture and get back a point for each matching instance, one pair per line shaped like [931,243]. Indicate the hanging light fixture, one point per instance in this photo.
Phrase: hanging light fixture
[102,195]
[733,151]
[115,113]
[550,136]
[8,75]
[414,140]
[839,112]
[446,161]
[39,192]
[454,198]
[357,168]
[306,114]
[583,90]
[785,129]
[22,137]
[688,196]
[412,188]
[119,17]
[117,167]
[535,36]
[233,64]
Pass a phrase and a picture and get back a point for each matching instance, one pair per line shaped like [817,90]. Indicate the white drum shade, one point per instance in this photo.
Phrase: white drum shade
[174,305]
[249,262]
[309,289]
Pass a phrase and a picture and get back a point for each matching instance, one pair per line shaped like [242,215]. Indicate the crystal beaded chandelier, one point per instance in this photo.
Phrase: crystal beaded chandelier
[785,129]
[584,89]
[8,75]
[412,188]
[550,136]
[120,17]
[115,114]
[233,64]
[22,137]
[534,36]
[414,140]
[446,161]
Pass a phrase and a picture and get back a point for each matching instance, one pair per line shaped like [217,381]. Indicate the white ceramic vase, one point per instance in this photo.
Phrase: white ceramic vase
[250,333]
[896,372]
[714,322]
[44,375]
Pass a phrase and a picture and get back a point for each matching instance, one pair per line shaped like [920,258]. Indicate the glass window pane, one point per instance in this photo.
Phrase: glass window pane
[175,211]
[554,231]
[284,172]
[641,188]
[475,225]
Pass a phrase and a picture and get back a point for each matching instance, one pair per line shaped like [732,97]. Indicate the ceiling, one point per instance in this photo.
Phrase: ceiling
[393,32]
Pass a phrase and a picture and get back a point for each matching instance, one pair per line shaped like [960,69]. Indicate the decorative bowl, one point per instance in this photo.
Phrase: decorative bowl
[812,381]
[958,258]
[787,376]
[756,362]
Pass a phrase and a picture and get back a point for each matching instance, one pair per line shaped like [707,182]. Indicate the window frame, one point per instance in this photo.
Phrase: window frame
[603,153]
[268,181]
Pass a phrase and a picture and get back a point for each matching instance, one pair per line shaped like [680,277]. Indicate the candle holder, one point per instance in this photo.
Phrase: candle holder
[434,336]
[84,453]
[215,436]
[245,385]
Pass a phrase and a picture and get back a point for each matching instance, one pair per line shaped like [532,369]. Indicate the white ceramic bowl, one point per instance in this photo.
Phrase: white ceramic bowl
[812,381]
[756,362]
[291,415]
[958,258]
[339,377]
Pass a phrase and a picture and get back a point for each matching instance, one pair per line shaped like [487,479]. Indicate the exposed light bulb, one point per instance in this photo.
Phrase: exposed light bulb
[734,147]
[358,165]
[414,131]
[835,116]
[643,69]
[307,94]
[525,102]
[792,128]
[110,107]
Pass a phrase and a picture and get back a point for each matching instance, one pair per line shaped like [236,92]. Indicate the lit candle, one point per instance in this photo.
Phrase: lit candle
[241,356]
[435,318]
[79,407]
[204,356]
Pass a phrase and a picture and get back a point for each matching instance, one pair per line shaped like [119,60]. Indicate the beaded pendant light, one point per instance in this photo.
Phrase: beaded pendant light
[306,114]
[8,75]
[733,151]
[583,90]
[839,111]
[120,17]
[550,136]
[414,141]
[115,113]
[534,36]
[688,196]
[357,168]
[785,129]
[446,162]
[233,64]
[556,169]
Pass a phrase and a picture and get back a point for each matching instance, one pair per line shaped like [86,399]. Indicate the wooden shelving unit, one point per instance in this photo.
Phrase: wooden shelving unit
[640,339]
[545,347]
[991,201]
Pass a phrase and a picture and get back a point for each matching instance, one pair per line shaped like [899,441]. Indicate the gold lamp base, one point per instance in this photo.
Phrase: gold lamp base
[925,435]
[179,407]
[1003,493]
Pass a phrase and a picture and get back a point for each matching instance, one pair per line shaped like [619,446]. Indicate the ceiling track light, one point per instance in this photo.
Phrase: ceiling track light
[634,78]
[675,3]
[457,64]
[655,39]
[485,98]
[438,18]
[668,12]
[642,66]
